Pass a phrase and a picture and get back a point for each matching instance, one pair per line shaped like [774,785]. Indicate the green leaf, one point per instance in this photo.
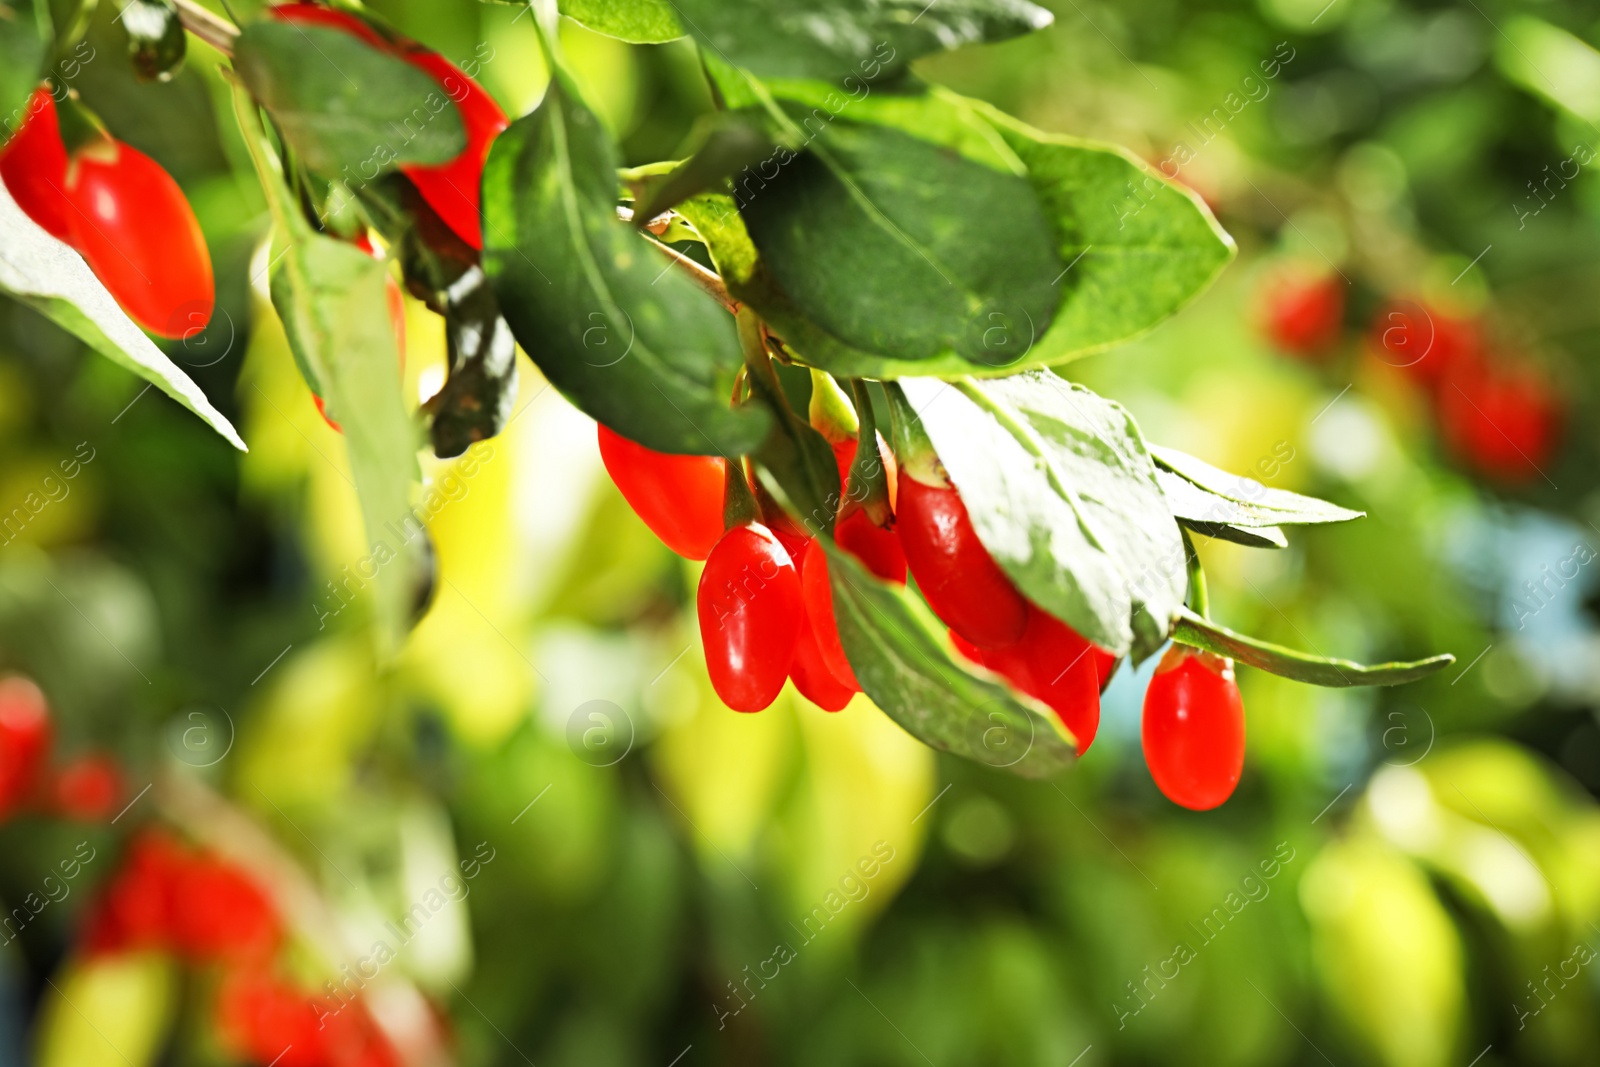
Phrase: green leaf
[346,108]
[24,40]
[1063,494]
[51,278]
[1300,666]
[839,39]
[1249,536]
[335,310]
[1131,248]
[715,220]
[896,246]
[904,665]
[634,21]
[1137,247]
[1202,493]
[731,144]
[625,337]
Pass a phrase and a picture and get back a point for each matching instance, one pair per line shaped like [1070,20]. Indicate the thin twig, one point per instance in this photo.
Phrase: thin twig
[709,280]
[214,30]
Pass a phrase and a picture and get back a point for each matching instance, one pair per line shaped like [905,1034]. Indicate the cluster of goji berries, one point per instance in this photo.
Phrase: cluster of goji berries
[766,611]
[208,912]
[123,213]
[86,787]
[1498,415]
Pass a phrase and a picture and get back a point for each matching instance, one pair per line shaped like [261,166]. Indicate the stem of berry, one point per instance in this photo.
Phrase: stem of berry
[912,449]
[830,411]
[868,476]
[1199,600]
[217,32]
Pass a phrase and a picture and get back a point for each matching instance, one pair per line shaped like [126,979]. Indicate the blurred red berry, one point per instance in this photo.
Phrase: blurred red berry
[1422,341]
[139,235]
[269,1020]
[1303,314]
[87,788]
[1504,422]
[222,913]
[33,164]
[137,907]
[25,735]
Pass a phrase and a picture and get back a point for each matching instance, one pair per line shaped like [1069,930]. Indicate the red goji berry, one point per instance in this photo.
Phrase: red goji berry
[1193,728]
[751,612]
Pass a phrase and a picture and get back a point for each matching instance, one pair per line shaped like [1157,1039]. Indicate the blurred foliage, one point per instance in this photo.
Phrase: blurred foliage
[669,879]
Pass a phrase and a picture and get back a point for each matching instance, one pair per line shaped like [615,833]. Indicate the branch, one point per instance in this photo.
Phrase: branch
[214,30]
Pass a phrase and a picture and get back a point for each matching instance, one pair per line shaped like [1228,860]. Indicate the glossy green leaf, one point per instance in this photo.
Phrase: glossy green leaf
[894,245]
[24,40]
[1192,630]
[335,310]
[635,21]
[1136,247]
[1209,494]
[904,665]
[347,109]
[837,39]
[51,278]
[1063,494]
[623,335]
[732,144]
[1122,267]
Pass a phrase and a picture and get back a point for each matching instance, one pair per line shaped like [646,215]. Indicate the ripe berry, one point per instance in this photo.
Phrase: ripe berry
[817,591]
[25,735]
[678,497]
[139,903]
[751,612]
[222,912]
[812,675]
[1193,729]
[138,234]
[1051,663]
[1423,341]
[33,164]
[1502,421]
[452,189]
[1303,315]
[88,788]
[269,1020]
[812,671]
[877,547]
[961,582]
[1105,665]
